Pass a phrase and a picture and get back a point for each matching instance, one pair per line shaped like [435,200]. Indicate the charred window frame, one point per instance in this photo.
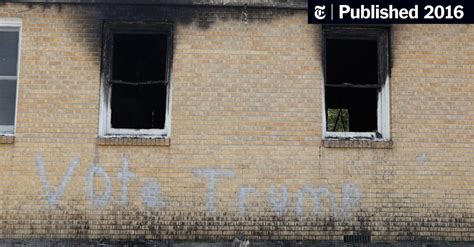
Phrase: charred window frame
[356,82]
[136,67]
[10,40]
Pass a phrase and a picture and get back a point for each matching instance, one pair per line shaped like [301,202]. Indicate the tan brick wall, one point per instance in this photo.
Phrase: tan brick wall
[246,107]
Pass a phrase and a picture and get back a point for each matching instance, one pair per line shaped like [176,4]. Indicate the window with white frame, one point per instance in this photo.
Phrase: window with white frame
[356,82]
[9,57]
[136,80]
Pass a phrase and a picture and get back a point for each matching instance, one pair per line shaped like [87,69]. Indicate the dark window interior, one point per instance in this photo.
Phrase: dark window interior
[138,107]
[139,58]
[7,102]
[351,61]
[351,85]
[361,104]
[8,53]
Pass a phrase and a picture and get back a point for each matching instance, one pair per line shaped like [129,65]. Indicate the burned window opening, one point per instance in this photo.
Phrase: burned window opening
[355,75]
[136,64]
[361,105]
[138,107]
[139,57]
[351,62]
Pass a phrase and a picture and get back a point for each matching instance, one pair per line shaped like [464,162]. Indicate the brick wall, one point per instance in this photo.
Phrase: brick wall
[246,117]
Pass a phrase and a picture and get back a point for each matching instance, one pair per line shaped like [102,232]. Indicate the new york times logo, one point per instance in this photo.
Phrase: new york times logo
[390,11]
[319,12]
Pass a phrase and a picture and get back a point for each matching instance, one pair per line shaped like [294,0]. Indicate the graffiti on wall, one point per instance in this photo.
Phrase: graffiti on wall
[277,197]
[150,191]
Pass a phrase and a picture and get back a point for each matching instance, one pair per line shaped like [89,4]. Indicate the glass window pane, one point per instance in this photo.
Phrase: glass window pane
[7,102]
[8,53]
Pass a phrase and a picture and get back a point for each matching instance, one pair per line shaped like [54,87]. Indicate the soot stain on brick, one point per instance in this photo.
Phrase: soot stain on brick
[186,226]
[79,224]
[202,17]
[398,228]
[224,226]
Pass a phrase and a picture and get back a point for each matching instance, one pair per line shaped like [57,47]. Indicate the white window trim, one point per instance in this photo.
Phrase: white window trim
[7,24]
[105,128]
[383,114]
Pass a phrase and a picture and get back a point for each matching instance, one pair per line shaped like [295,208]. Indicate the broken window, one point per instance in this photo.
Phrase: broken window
[356,82]
[9,50]
[136,68]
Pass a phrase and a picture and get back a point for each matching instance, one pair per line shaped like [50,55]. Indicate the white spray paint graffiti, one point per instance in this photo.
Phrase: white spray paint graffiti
[150,192]
[317,194]
[98,200]
[54,197]
[151,195]
[422,158]
[279,207]
[351,197]
[125,175]
[244,193]
[212,175]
